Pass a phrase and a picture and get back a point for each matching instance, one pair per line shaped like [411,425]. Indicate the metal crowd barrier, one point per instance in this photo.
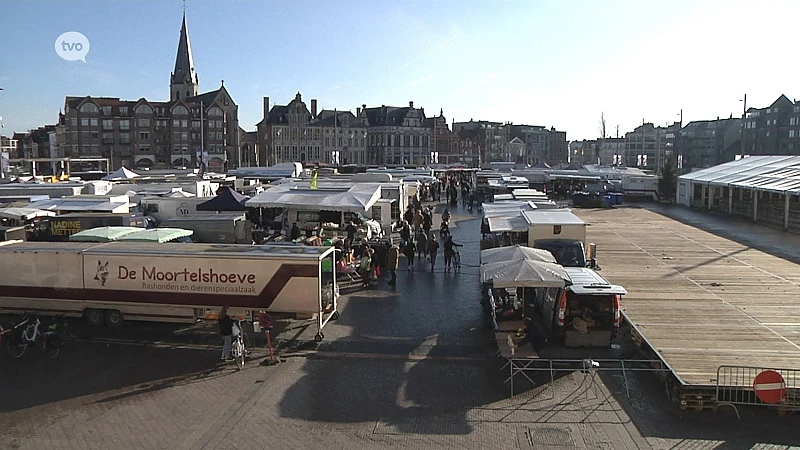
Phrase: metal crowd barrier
[758,386]
[588,367]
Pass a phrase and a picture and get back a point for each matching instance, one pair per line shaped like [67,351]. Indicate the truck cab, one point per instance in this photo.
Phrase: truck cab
[568,252]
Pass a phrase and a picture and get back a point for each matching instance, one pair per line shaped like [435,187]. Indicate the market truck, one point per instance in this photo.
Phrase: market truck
[112,282]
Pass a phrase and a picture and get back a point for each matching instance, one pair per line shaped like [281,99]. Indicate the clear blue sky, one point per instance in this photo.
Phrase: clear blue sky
[558,63]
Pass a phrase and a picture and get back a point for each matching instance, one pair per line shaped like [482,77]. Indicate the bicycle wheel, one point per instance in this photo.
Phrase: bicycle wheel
[17,350]
[52,346]
[239,353]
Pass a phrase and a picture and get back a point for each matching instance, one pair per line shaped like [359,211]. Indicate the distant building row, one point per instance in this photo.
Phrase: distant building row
[774,130]
[395,136]
[192,129]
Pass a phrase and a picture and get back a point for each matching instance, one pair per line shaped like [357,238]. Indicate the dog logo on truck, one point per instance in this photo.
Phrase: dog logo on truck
[102,273]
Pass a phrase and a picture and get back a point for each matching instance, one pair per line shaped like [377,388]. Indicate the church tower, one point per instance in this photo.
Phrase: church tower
[183,81]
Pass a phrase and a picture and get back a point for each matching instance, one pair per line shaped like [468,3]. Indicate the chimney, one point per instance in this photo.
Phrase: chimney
[358,112]
[266,107]
[364,107]
[313,108]
[410,104]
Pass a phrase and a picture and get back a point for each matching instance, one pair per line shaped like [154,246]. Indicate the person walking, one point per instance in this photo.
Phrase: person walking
[226,331]
[409,251]
[427,221]
[405,234]
[433,249]
[365,267]
[393,263]
[449,251]
[417,220]
[422,244]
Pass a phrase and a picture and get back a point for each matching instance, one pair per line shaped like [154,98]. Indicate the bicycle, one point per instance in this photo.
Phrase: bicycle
[26,333]
[238,348]
[63,329]
[456,261]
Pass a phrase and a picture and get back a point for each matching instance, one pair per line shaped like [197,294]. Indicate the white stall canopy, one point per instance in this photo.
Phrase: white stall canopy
[526,273]
[24,214]
[358,198]
[516,224]
[515,253]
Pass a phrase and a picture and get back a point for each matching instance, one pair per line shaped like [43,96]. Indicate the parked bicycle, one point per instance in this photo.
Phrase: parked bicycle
[63,329]
[238,348]
[28,332]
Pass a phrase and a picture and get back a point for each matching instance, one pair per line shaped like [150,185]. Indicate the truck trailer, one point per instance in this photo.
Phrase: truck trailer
[112,282]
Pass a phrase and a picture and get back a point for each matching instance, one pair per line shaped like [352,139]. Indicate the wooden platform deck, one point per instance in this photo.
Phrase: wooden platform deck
[699,300]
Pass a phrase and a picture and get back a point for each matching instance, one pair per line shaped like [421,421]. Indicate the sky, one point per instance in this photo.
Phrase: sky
[552,63]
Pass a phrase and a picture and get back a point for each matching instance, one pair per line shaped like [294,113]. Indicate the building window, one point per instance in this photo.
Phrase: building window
[89,108]
[184,124]
[184,136]
[144,123]
[180,110]
[144,109]
[124,124]
[144,135]
[791,133]
[124,138]
[108,124]
[123,110]
[195,124]
[144,149]
[84,122]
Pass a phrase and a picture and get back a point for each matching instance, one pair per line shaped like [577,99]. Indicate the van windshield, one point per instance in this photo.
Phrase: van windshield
[567,253]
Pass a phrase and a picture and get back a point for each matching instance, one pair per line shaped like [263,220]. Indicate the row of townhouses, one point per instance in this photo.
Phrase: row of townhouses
[193,128]
[774,130]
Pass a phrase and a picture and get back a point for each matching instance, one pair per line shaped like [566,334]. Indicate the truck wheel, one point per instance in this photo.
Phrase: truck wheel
[114,318]
[94,317]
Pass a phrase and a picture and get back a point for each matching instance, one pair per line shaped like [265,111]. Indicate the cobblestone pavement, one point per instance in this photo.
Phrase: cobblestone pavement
[408,367]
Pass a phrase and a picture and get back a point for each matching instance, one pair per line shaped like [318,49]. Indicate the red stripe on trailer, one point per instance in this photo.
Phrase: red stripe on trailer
[769,386]
[262,300]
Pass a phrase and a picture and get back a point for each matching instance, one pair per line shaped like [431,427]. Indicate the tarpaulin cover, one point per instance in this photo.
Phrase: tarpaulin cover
[226,200]
[525,273]
[359,197]
[515,253]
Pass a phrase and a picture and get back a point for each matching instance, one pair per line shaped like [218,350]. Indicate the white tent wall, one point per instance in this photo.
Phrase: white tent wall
[764,189]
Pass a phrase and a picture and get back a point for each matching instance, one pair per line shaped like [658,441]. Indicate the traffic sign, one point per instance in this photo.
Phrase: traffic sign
[769,386]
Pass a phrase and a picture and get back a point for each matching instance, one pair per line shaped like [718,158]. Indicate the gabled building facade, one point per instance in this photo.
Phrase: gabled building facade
[396,135]
[286,133]
[772,130]
[190,130]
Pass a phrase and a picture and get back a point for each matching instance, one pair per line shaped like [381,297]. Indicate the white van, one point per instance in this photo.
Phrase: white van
[585,314]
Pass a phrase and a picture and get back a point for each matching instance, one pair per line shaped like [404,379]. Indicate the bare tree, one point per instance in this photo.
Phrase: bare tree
[603,126]
[599,144]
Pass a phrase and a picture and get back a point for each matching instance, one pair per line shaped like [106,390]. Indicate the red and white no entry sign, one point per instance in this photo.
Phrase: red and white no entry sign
[769,386]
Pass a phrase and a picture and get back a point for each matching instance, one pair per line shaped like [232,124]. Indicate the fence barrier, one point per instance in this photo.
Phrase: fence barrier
[588,367]
[758,386]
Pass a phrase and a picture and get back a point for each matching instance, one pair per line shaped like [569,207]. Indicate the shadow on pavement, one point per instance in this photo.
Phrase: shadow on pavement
[89,369]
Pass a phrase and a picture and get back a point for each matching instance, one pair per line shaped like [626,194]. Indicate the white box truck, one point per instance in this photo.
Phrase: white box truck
[112,282]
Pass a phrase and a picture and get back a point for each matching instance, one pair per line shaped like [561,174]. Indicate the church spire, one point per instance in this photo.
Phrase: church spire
[183,82]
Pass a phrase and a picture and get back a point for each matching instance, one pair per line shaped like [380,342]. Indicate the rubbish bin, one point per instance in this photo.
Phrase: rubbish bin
[608,200]
[620,196]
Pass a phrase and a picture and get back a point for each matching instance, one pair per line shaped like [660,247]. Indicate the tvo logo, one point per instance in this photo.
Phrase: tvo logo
[72,46]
